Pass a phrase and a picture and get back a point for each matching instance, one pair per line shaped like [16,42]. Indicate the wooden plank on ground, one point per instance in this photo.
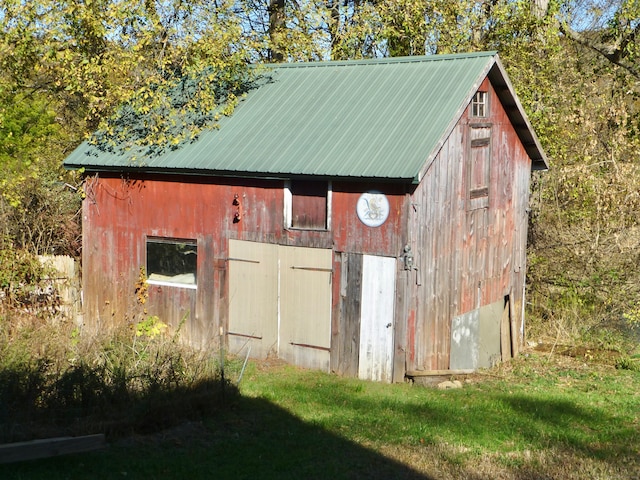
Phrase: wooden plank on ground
[50,447]
[437,373]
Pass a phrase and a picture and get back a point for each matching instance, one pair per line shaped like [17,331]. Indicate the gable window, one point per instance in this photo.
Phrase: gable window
[480,105]
[172,262]
[479,166]
[307,204]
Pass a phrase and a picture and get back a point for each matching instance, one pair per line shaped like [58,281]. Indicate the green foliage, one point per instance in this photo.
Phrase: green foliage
[27,128]
[165,116]
[151,327]
[19,268]
[40,214]
[629,363]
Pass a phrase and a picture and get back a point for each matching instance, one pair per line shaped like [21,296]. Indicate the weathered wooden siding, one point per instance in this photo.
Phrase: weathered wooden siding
[466,256]
[351,235]
[121,212]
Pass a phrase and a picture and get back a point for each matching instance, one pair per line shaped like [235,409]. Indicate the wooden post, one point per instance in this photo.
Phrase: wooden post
[505,332]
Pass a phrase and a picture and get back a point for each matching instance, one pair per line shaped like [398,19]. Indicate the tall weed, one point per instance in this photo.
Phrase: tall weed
[56,381]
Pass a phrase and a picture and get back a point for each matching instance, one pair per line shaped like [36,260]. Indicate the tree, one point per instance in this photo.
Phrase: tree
[92,55]
[65,68]
[610,28]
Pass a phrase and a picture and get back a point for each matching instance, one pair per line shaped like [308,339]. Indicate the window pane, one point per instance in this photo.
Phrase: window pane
[172,261]
[479,104]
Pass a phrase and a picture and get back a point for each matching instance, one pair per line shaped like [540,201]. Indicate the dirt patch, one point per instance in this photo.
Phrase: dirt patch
[602,356]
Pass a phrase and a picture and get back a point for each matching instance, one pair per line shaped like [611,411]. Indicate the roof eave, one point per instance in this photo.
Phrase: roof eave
[146,170]
[507,95]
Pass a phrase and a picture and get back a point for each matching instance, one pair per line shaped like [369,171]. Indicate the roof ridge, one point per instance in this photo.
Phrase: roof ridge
[383,60]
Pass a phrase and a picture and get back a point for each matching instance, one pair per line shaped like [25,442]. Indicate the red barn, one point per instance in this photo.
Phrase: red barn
[362,217]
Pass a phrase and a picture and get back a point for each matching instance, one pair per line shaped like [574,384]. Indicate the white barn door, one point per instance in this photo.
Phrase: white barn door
[375,361]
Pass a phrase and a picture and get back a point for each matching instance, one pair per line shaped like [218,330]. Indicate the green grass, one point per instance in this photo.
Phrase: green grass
[537,417]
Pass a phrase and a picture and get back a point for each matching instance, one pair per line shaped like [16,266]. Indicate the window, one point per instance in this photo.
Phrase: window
[479,166]
[480,105]
[172,262]
[307,204]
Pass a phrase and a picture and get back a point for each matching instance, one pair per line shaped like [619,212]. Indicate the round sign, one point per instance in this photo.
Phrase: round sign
[372,208]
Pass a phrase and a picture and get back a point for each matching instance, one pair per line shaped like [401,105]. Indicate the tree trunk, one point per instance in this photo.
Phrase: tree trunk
[334,25]
[276,30]
[539,8]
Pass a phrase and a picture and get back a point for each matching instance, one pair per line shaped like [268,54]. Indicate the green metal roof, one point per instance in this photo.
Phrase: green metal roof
[373,119]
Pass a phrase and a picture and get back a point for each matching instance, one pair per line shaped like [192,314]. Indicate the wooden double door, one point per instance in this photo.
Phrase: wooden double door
[280,302]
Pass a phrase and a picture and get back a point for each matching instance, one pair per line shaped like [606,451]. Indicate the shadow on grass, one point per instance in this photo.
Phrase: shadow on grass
[248,439]
[241,437]
[508,424]
[593,432]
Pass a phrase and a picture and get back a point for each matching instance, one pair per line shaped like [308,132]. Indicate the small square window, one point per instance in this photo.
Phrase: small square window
[307,204]
[480,105]
[172,262]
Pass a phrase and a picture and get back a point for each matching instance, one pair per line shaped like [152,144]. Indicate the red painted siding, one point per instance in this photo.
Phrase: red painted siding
[121,212]
[467,255]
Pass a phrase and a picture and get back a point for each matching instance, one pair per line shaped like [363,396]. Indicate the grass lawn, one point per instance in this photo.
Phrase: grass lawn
[541,416]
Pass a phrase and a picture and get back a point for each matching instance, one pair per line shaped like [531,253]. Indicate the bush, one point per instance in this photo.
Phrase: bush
[40,215]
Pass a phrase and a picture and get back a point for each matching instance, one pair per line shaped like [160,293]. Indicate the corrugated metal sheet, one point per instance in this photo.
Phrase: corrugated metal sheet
[379,118]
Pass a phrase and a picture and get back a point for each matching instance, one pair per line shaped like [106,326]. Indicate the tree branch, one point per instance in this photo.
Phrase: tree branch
[613,53]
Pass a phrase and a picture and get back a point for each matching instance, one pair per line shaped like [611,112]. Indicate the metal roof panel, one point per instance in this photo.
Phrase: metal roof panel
[372,119]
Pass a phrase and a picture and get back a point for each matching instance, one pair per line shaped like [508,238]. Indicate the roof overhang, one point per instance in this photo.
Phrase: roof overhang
[510,102]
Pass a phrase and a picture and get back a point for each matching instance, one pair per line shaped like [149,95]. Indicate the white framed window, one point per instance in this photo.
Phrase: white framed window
[480,105]
[172,262]
[307,204]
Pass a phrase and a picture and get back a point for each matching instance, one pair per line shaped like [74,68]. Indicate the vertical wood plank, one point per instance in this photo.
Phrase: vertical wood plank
[350,300]
[375,360]
[400,322]
[515,333]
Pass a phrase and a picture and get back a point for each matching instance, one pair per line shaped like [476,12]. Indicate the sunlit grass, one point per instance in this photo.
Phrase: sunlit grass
[490,413]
